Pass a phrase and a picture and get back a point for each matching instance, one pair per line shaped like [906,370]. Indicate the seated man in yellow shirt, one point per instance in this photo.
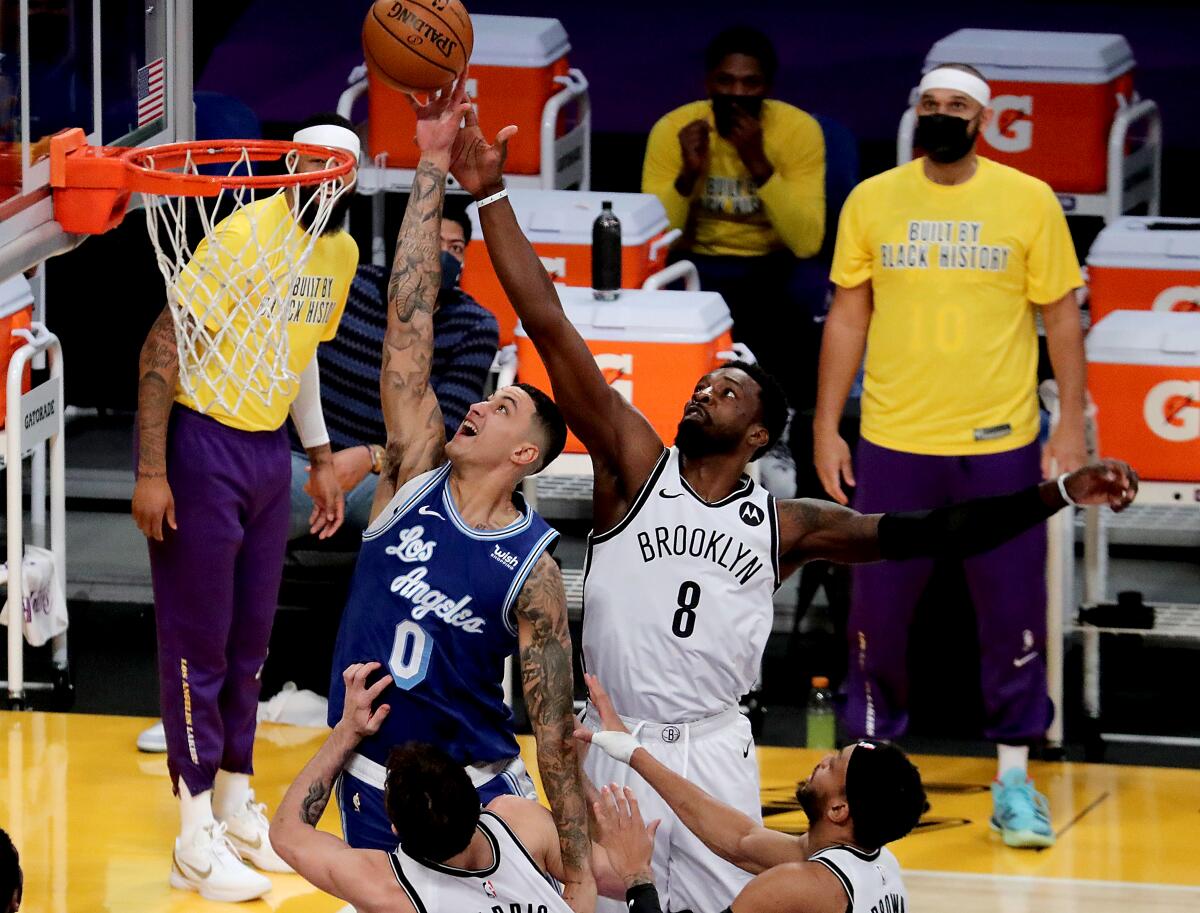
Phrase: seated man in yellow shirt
[743,176]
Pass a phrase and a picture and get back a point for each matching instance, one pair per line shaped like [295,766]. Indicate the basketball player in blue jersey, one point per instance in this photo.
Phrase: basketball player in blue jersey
[446,854]
[687,550]
[454,572]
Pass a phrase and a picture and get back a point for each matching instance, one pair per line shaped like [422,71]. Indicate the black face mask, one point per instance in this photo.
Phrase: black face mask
[451,271]
[944,137]
[723,106]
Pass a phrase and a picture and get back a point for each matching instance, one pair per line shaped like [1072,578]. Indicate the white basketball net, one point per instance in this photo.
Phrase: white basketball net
[230,295]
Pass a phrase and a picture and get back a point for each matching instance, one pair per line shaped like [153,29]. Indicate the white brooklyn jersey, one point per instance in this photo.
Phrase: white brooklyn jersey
[677,598]
[512,882]
[872,880]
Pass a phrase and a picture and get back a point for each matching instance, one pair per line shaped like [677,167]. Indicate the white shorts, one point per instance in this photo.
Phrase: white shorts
[718,755]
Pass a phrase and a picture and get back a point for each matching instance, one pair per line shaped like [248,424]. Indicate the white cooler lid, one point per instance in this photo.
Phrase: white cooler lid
[1148,242]
[1012,54]
[566,216]
[15,295]
[1146,338]
[518,41]
[646,315]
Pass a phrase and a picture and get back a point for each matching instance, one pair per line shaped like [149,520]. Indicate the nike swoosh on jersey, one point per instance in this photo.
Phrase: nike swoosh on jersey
[427,511]
[1024,659]
[662,493]
[746,750]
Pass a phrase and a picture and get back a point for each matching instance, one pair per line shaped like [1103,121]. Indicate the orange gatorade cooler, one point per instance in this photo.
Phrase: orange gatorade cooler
[513,67]
[1145,264]
[559,225]
[16,313]
[1144,375]
[652,346]
[1055,95]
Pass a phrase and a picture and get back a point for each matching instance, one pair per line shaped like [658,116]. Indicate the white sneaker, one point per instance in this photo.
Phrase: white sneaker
[153,740]
[249,832]
[212,866]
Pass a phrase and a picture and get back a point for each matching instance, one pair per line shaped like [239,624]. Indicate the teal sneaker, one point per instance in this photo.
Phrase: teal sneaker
[1020,814]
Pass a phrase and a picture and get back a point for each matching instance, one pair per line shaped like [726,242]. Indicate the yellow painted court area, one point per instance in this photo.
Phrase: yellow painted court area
[94,821]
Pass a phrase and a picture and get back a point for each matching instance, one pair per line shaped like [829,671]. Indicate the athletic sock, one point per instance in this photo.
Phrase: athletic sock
[230,794]
[1012,756]
[194,811]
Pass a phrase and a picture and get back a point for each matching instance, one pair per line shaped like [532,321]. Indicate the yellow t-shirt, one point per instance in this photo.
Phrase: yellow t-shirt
[951,366]
[726,213]
[315,301]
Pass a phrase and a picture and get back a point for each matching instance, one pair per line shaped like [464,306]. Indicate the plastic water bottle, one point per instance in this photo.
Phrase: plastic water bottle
[606,254]
[819,720]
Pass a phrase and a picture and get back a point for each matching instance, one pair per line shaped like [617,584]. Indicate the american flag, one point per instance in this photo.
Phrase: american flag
[151,92]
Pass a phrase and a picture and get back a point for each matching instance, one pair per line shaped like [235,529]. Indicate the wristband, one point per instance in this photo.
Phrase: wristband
[499,195]
[617,745]
[642,898]
[1062,490]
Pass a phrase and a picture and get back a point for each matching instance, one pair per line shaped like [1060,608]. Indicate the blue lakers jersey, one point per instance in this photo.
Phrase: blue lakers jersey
[433,600]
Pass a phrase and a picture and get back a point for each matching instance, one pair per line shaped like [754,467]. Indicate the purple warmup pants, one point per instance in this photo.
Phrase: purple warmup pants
[1007,586]
[216,586]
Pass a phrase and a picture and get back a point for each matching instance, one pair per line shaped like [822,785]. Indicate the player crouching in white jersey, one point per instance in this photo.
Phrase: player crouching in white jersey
[857,800]
[451,855]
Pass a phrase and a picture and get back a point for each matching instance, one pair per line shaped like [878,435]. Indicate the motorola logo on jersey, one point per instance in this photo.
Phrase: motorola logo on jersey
[751,514]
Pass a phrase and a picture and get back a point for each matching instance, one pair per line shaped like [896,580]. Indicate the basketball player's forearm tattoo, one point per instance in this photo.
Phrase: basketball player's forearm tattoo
[812,530]
[313,806]
[549,695]
[158,370]
[409,404]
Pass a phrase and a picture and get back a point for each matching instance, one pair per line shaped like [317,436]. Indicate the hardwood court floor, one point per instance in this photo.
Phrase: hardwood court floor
[94,821]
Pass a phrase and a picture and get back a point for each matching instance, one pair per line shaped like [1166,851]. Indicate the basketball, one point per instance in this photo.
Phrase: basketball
[418,45]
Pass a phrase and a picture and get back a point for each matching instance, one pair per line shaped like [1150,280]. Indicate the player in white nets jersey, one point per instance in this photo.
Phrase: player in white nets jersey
[451,856]
[857,800]
[688,550]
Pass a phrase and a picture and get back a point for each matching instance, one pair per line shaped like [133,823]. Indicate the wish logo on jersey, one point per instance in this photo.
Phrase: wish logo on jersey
[423,598]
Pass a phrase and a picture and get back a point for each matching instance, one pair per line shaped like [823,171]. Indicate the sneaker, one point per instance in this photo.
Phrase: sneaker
[153,740]
[1020,814]
[210,865]
[249,832]
[295,706]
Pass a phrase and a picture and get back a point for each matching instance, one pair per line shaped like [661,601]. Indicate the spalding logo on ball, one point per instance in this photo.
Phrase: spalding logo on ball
[417,45]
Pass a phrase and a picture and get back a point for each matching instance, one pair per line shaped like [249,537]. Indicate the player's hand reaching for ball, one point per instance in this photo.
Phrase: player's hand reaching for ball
[477,164]
[439,117]
[627,839]
[1110,482]
[359,717]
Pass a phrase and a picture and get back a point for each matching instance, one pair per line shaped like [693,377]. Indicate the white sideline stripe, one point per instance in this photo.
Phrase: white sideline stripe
[1045,879]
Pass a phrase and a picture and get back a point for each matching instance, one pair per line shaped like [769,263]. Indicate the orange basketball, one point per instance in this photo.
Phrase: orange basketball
[418,45]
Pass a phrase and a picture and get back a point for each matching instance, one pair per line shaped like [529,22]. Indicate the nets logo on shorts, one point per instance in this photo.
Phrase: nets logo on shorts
[751,514]
[670,734]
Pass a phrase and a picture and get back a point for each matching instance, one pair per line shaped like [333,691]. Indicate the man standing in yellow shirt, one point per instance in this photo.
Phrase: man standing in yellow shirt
[217,469]
[743,176]
[939,267]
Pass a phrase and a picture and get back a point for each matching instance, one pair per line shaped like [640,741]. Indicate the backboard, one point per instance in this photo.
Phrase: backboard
[119,69]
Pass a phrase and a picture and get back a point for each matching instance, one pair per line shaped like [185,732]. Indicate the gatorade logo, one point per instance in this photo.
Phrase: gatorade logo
[1011,129]
[617,370]
[1172,410]
[1180,298]
[555,266]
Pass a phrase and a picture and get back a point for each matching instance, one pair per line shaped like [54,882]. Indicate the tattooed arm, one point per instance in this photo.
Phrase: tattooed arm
[416,437]
[158,371]
[545,644]
[357,876]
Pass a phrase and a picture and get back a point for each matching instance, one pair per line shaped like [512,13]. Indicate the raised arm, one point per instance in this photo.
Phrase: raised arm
[416,438]
[729,833]
[617,436]
[817,529]
[545,644]
[158,372]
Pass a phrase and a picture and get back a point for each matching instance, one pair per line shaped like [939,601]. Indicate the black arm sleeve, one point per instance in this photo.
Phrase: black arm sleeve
[966,529]
[642,898]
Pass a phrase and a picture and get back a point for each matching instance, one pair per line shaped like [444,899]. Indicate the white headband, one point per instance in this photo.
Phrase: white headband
[331,135]
[957,81]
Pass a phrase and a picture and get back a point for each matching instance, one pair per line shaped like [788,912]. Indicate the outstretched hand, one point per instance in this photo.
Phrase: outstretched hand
[358,716]
[610,720]
[1110,482]
[439,117]
[475,163]
[628,840]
